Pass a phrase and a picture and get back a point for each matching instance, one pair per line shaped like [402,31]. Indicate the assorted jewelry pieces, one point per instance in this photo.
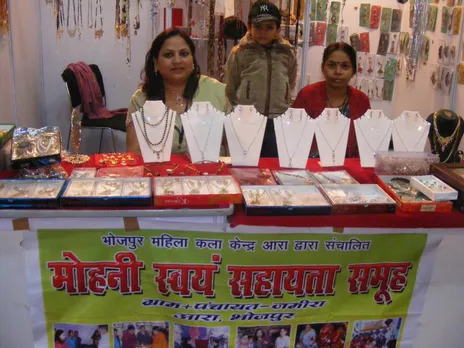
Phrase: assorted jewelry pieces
[4,20]
[294,134]
[410,132]
[357,194]
[434,188]
[194,169]
[340,177]
[51,171]
[32,143]
[373,134]
[155,134]
[162,171]
[121,172]
[30,189]
[203,127]
[401,186]
[79,173]
[283,196]
[253,176]
[196,185]
[293,177]
[245,131]
[116,159]
[104,187]
[332,137]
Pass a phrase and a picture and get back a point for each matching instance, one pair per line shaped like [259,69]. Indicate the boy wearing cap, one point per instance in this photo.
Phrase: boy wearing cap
[261,70]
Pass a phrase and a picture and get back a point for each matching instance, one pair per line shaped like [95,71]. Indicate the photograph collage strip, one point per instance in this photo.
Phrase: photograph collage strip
[382,333]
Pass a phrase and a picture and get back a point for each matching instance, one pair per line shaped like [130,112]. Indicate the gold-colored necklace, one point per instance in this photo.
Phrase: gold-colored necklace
[445,141]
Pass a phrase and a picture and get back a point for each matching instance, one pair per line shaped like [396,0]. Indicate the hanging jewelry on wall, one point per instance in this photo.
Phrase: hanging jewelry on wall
[220,54]
[71,32]
[155,16]
[98,13]
[211,37]
[59,12]
[4,22]
[128,44]
[137,17]
[189,17]
[123,27]
[90,13]
[298,10]
[80,20]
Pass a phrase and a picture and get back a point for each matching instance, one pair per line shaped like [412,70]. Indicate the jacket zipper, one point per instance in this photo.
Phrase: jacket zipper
[286,91]
[248,89]
[267,106]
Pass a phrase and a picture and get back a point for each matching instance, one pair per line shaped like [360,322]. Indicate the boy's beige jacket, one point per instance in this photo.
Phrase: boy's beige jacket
[260,76]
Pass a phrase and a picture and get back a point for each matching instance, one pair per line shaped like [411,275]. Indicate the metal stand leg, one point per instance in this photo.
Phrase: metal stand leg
[69,136]
[112,137]
[101,139]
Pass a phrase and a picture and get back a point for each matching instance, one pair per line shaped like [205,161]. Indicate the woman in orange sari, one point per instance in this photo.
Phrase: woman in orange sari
[159,338]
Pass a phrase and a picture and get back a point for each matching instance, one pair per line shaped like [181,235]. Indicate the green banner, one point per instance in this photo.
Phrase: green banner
[197,289]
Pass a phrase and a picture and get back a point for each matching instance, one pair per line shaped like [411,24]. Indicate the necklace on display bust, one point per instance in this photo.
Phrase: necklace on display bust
[167,129]
[245,151]
[290,158]
[202,151]
[333,149]
[367,141]
[330,105]
[401,139]
[445,141]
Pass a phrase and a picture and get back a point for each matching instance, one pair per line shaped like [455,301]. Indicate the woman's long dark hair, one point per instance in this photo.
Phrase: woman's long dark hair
[255,336]
[57,336]
[152,84]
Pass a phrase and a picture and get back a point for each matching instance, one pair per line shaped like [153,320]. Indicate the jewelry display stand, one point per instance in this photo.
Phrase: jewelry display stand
[445,135]
[410,132]
[154,126]
[203,126]
[245,132]
[294,134]
[332,130]
[373,134]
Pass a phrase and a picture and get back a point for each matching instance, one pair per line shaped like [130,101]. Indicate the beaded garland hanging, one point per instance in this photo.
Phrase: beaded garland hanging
[59,13]
[155,16]
[220,68]
[4,22]
[211,37]
[189,17]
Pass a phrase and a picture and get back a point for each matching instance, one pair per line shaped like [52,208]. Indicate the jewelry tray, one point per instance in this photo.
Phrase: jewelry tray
[293,177]
[83,173]
[358,199]
[434,188]
[338,177]
[253,176]
[453,175]
[30,193]
[420,203]
[284,200]
[107,192]
[176,191]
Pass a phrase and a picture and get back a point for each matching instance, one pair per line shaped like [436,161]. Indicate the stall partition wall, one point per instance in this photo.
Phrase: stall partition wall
[7,113]
[22,88]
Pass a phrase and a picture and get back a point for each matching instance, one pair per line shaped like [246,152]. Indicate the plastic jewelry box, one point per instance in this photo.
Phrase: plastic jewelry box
[358,199]
[453,175]
[434,188]
[195,191]
[30,193]
[404,163]
[338,177]
[417,202]
[284,200]
[104,192]
[293,177]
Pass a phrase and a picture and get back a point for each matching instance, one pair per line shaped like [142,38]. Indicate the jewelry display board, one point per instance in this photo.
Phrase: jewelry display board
[294,132]
[332,130]
[245,132]
[154,125]
[203,126]
[410,132]
[373,134]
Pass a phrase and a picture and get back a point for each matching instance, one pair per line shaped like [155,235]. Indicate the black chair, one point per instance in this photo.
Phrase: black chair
[117,122]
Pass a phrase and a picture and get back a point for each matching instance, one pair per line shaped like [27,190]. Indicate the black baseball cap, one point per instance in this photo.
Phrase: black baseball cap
[264,11]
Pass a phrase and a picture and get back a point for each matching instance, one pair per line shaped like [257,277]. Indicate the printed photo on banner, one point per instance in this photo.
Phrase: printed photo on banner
[199,336]
[68,335]
[376,333]
[325,335]
[277,336]
[147,334]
